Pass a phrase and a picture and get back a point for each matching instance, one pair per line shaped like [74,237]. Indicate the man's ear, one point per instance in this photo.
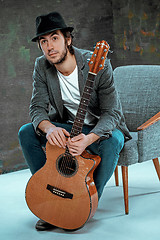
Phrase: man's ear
[69,41]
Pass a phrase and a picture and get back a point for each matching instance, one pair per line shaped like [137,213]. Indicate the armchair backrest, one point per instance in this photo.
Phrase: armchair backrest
[139,91]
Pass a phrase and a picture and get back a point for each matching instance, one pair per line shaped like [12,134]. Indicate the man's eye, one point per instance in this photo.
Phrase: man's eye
[54,38]
[43,41]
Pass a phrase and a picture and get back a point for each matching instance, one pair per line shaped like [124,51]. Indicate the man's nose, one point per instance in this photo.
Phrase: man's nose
[50,45]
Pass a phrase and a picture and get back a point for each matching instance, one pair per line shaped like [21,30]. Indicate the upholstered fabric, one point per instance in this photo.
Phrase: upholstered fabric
[138,87]
[149,142]
[129,154]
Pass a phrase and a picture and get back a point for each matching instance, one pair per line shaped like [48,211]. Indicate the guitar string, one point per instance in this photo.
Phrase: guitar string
[63,163]
[67,160]
[82,106]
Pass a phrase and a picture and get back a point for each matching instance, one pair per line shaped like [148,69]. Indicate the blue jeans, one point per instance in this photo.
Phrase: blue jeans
[107,149]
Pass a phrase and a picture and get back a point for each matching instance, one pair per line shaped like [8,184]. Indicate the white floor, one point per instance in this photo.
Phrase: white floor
[109,222]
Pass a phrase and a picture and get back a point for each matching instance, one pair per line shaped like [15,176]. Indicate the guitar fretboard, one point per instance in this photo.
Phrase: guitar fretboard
[82,109]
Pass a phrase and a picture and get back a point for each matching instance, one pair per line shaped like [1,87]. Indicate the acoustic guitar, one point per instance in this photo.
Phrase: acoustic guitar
[63,192]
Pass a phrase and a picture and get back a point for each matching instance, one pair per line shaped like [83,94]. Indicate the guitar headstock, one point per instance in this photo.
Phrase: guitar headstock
[99,55]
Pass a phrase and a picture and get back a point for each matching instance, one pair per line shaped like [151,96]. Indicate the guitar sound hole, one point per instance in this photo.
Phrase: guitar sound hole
[67,165]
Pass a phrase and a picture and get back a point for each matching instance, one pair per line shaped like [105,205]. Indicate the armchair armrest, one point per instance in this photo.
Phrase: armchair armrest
[152,120]
[149,139]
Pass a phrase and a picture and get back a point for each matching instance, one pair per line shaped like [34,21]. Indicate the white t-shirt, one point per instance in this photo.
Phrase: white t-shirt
[71,95]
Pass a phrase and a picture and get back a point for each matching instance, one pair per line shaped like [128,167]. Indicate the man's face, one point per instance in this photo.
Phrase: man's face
[54,47]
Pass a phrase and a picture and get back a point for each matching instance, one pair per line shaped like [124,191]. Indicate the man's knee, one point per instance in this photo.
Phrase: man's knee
[117,140]
[25,132]
[115,143]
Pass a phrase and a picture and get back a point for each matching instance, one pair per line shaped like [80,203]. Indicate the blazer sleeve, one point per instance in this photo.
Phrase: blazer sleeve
[39,105]
[110,110]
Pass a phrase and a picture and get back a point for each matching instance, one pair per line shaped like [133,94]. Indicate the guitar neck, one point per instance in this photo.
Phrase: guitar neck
[96,63]
[82,109]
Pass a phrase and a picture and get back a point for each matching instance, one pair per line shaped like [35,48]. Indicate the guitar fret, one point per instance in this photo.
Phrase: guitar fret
[84,104]
[82,111]
[86,99]
[89,82]
[78,124]
[86,95]
[77,130]
[75,133]
[78,127]
[80,119]
[81,114]
[88,87]
[91,76]
[81,105]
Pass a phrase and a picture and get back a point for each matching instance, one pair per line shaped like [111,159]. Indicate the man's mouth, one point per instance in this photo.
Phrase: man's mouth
[52,53]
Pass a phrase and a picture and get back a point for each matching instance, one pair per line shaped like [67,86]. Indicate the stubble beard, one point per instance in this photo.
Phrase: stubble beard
[61,58]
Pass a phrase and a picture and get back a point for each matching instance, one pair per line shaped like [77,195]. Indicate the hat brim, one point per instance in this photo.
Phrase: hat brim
[70,29]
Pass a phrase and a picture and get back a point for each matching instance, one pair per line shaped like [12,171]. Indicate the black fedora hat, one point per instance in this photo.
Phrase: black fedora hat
[49,23]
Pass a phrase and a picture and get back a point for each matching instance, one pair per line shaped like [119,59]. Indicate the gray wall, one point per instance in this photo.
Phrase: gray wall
[132,28]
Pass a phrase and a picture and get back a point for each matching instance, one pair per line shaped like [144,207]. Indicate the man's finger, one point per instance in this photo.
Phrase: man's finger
[61,137]
[50,140]
[77,138]
[66,132]
[73,152]
[58,139]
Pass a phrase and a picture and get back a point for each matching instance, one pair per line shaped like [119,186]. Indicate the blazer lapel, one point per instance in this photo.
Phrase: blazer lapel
[83,69]
[53,82]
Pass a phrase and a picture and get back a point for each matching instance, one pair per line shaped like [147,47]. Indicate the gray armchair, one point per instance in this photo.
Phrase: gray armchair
[138,87]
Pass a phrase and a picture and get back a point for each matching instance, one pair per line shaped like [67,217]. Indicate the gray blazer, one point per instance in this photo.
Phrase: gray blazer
[104,104]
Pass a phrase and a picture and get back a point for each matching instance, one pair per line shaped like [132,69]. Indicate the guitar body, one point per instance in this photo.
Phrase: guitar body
[64,194]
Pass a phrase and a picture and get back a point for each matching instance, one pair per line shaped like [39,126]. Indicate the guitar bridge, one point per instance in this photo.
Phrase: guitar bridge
[59,192]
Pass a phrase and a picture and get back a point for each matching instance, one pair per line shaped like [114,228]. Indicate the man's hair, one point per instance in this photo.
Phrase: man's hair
[66,35]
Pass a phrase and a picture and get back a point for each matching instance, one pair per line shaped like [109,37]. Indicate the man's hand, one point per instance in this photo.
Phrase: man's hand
[78,144]
[57,136]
